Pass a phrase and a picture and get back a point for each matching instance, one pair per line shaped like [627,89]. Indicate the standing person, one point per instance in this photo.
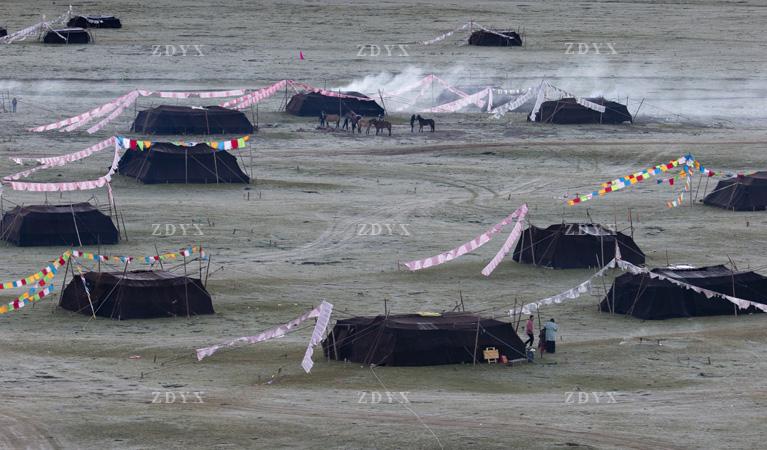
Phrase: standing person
[412,123]
[13,104]
[551,328]
[529,331]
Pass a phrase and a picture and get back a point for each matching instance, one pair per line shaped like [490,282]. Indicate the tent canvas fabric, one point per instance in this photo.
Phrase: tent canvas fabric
[418,340]
[95,22]
[740,193]
[574,245]
[67,36]
[3,32]
[652,299]
[140,294]
[170,119]
[487,39]
[568,111]
[164,162]
[313,103]
[40,225]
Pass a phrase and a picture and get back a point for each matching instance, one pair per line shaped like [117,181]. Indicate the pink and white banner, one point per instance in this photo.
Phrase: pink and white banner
[507,246]
[70,157]
[68,186]
[120,103]
[470,246]
[255,96]
[322,313]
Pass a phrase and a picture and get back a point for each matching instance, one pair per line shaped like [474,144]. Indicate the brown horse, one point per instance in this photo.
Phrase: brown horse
[380,124]
[327,119]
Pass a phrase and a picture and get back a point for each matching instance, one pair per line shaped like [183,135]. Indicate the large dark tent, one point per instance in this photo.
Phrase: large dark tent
[137,294]
[313,103]
[73,225]
[495,39]
[574,245]
[95,22]
[67,36]
[420,339]
[568,111]
[164,162]
[740,193]
[168,119]
[3,32]
[646,298]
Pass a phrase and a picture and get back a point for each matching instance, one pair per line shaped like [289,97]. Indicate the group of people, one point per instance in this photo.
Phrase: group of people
[547,338]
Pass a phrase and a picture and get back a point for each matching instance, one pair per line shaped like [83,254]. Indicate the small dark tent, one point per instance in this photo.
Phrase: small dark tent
[95,22]
[568,111]
[39,225]
[646,298]
[420,340]
[485,38]
[3,32]
[574,245]
[139,294]
[313,103]
[164,162]
[168,119]
[67,36]
[740,193]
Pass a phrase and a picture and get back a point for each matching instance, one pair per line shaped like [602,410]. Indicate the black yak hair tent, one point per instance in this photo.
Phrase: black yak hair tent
[137,294]
[164,162]
[568,111]
[740,193]
[574,245]
[495,39]
[95,22]
[313,103]
[3,32]
[72,225]
[420,340]
[168,119]
[67,36]
[646,298]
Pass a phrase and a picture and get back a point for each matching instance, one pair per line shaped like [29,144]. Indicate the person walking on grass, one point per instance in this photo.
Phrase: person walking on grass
[551,328]
[529,332]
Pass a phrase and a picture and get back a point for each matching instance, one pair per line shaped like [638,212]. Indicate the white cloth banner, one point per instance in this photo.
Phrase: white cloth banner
[322,313]
[461,103]
[585,287]
[326,309]
[34,29]
[741,303]
[579,100]
[472,245]
[539,100]
[444,36]
[514,104]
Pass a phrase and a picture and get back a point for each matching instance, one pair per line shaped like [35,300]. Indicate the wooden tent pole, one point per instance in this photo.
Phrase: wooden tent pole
[186,289]
[157,252]
[476,342]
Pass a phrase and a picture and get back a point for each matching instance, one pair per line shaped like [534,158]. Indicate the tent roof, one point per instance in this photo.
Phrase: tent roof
[445,321]
[54,209]
[140,278]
